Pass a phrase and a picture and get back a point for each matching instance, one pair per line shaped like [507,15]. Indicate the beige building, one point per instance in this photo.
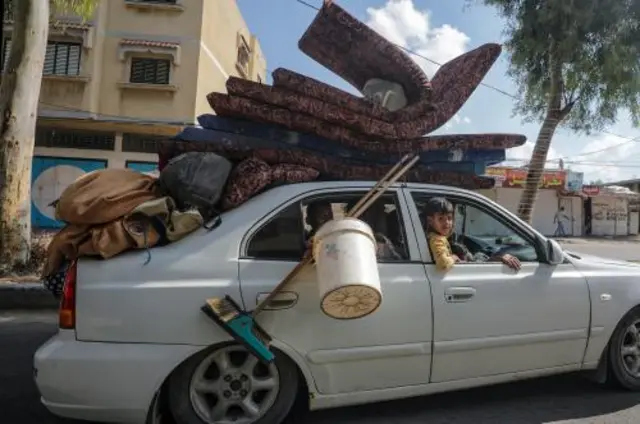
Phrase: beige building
[138,70]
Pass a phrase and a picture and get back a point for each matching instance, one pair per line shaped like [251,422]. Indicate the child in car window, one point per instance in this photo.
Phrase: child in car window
[439,222]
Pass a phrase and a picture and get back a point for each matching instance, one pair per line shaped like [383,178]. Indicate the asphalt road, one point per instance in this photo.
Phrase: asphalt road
[567,399]
[621,250]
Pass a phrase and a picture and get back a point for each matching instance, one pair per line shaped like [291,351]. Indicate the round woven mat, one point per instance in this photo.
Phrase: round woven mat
[350,302]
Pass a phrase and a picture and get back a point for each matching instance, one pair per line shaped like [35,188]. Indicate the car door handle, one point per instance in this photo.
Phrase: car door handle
[459,294]
[283,300]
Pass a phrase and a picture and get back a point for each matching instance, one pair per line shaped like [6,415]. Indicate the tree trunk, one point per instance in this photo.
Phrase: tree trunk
[536,167]
[19,94]
[555,115]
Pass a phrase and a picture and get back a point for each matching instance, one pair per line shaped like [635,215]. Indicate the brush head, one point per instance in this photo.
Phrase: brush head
[243,329]
[224,308]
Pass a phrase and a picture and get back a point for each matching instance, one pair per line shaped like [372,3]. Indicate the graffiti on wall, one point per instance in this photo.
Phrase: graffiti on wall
[609,211]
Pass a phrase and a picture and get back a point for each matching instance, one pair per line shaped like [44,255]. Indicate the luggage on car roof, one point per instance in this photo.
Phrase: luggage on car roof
[196,180]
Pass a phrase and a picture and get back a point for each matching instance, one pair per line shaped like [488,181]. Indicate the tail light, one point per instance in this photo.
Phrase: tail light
[67,313]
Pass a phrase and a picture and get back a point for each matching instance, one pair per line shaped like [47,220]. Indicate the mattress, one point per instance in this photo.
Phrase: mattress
[329,168]
[241,146]
[435,147]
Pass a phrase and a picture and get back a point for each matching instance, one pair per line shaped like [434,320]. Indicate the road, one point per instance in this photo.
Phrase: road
[567,399]
[621,250]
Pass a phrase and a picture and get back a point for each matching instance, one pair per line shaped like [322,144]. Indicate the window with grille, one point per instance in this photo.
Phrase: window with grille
[149,71]
[74,139]
[140,143]
[242,61]
[61,58]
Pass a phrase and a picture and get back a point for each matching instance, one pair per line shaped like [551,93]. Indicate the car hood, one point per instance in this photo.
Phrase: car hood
[597,260]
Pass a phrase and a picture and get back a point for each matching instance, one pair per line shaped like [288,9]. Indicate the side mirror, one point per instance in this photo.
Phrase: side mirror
[555,254]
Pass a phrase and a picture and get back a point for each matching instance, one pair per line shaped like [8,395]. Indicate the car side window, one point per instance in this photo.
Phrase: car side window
[287,235]
[480,236]
[280,238]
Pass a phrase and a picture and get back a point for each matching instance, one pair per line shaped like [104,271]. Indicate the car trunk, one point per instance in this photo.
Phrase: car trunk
[124,300]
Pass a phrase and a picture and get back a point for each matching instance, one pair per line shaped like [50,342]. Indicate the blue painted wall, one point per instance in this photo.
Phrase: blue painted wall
[50,176]
[144,167]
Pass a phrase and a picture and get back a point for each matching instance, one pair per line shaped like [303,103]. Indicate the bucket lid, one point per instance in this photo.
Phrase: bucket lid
[344,224]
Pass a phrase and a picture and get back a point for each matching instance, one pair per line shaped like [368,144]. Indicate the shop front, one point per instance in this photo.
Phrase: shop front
[547,213]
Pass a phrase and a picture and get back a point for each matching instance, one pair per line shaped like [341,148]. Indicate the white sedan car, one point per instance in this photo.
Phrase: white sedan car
[133,339]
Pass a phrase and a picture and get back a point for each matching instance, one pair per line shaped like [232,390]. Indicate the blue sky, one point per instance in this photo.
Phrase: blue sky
[443,30]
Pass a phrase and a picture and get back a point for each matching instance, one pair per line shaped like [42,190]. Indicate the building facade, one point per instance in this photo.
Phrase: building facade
[633,184]
[138,70]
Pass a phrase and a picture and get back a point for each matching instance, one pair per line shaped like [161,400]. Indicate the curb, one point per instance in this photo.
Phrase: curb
[26,296]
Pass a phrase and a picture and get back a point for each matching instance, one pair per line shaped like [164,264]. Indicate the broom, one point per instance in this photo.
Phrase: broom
[241,325]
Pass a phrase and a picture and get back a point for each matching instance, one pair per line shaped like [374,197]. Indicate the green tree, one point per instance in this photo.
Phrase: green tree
[19,94]
[577,64]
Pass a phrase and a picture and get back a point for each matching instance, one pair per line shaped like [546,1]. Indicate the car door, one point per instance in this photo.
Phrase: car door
[388,348]
[490,320]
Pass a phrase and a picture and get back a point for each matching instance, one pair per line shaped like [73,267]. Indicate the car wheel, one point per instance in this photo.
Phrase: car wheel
[624,352]
[227,384]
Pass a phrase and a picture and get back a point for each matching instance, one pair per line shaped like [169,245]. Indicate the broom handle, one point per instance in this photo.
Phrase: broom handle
[377,191]
[378,184]
[371,196]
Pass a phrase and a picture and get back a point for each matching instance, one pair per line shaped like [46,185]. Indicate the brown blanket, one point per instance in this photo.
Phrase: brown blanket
[94,206]
[102,196]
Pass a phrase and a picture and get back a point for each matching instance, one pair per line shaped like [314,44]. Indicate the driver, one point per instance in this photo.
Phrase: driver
[439,229]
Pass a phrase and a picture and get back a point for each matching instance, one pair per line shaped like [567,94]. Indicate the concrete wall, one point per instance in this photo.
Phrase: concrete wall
[609,216]
[199,37]
[218,51]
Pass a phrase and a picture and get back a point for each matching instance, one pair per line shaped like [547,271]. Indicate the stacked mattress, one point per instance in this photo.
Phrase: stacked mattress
[304,122]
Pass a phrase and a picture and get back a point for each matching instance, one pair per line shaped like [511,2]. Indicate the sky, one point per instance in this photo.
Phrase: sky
[440,31]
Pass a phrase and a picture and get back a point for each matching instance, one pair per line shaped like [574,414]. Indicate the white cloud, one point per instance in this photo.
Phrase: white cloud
[603,159]
[400,22]
[520,156]
[457,119]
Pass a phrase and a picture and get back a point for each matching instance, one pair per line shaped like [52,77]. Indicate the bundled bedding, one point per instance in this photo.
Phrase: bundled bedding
[304,122]
[296,130]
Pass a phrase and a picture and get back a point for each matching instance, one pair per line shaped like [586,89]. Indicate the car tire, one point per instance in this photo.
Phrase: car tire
[185,405]
[624,350]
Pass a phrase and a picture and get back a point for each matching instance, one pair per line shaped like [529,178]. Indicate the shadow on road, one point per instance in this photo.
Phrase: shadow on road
[570,397]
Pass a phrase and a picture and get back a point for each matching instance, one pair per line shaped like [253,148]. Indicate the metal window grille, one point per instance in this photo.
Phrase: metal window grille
[140,143]
[72,139]
[149,71]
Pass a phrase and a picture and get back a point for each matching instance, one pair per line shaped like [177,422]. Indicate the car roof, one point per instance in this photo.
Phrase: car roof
[316,185]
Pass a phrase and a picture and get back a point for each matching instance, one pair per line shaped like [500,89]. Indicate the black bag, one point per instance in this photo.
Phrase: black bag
[196,180]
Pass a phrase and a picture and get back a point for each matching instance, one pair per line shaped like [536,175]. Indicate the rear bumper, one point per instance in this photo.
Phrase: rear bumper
[104,382]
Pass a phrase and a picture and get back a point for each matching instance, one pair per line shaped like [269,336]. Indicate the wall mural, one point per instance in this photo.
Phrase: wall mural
[50,176]
[149,168]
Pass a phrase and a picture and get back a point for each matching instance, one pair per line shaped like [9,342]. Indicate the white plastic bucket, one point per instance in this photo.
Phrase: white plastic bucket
[347,269]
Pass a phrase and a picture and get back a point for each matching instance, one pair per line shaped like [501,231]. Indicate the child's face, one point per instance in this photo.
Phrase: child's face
[442,223]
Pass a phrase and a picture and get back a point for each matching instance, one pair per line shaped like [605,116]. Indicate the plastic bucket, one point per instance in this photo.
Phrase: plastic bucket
[347,269]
